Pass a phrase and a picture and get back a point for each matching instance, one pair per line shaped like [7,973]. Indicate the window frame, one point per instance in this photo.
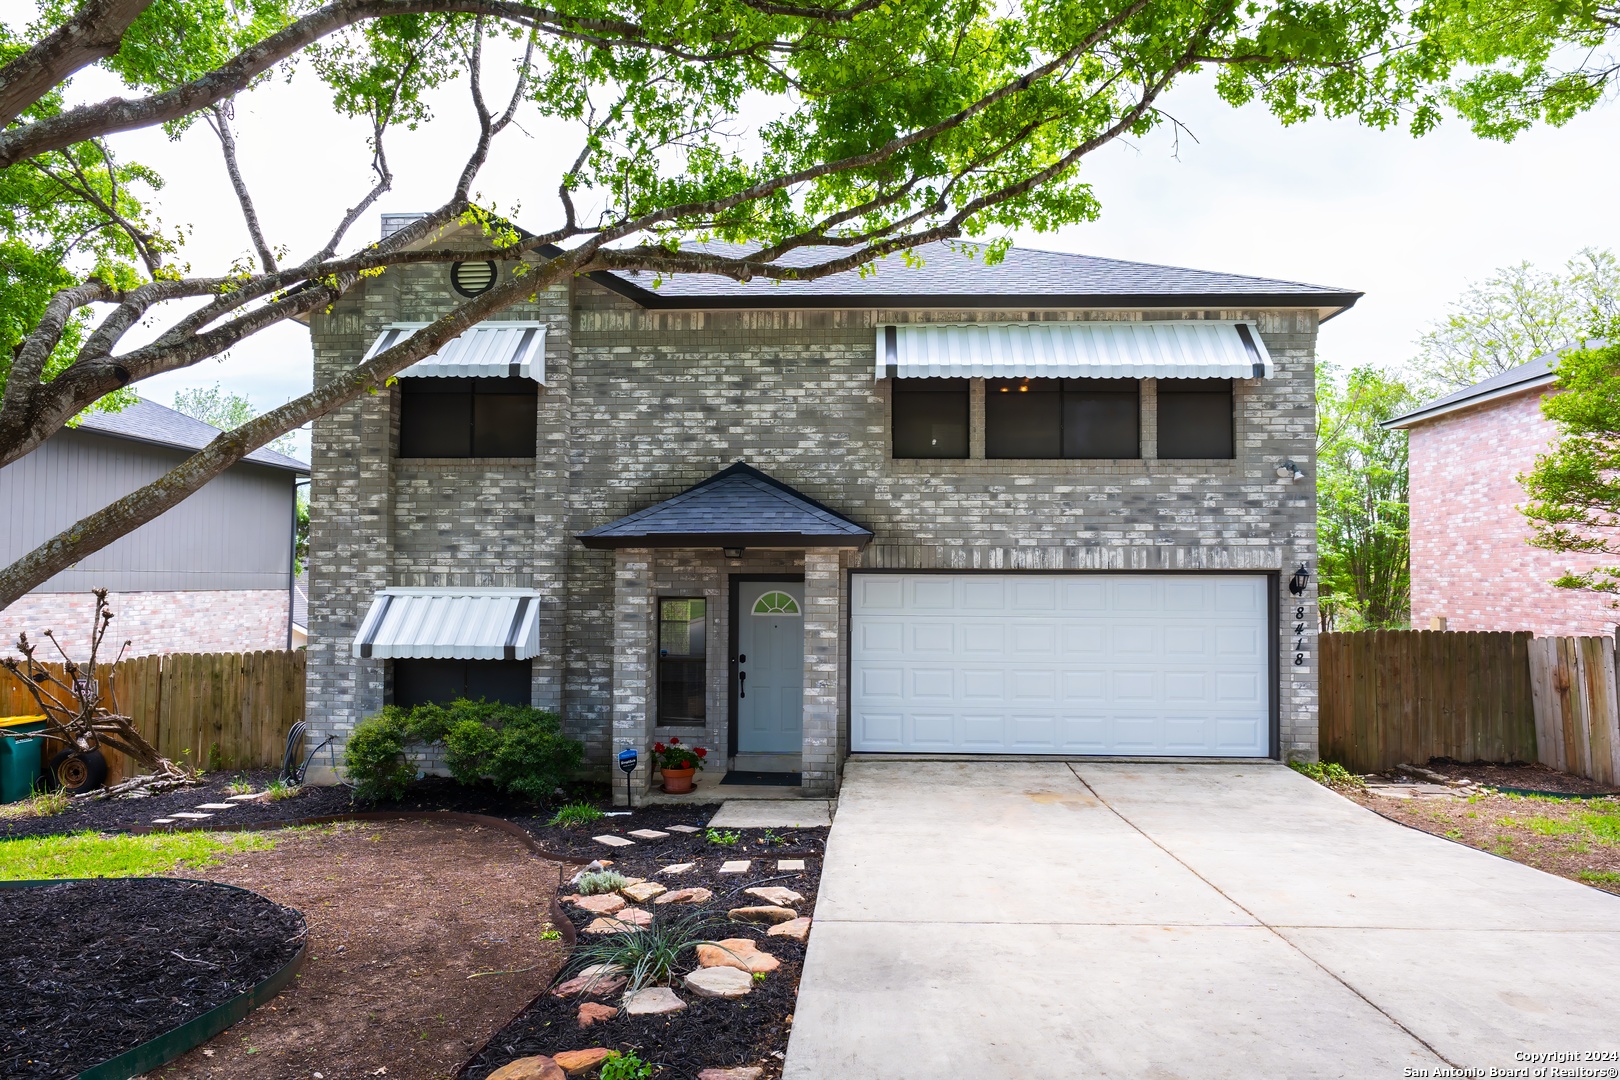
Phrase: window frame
[1167,386]
[941,387]
[698,658]
[466,392]
[1060,389]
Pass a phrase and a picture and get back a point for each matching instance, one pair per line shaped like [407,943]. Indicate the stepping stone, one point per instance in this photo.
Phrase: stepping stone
[635,917]
[163,821]
[684,828]
[216,806]
[764,914]
[188,815]
[735,866]
[250,796]
[613,841]
[603,904]
[737,952]
[720,982]
[678,868]
[538,1067]
[578,1062]
[605,925]
[740,1072]
[653,1001]
[649,834]
[797,930]
[592,983]
[686,896]
[790,864]
[643,891]
[592,1013]
[775,894]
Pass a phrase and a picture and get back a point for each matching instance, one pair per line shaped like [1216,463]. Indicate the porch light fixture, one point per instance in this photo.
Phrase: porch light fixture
[732,553]
[1296,584]
[1289,470]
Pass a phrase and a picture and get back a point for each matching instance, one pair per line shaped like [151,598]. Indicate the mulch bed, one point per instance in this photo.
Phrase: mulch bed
[1522,775]
[96,968]
[709,1033]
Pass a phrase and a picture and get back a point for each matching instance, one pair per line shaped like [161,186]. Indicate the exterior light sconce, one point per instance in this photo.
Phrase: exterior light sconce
[1296,584]
[732,553]
[1290,471]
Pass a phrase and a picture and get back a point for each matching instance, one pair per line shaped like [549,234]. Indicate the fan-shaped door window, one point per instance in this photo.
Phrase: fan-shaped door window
[776,603]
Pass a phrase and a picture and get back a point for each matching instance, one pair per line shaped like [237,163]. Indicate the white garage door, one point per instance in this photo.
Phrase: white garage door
[1150,664]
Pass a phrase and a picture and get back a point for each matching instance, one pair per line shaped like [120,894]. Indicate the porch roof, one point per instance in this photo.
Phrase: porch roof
[736,507]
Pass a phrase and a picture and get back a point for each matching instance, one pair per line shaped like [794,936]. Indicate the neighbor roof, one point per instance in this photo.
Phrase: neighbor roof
[148,422]
[736,507]
[1527,376]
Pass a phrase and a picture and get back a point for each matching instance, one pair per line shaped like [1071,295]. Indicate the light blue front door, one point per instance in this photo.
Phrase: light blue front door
[770,667]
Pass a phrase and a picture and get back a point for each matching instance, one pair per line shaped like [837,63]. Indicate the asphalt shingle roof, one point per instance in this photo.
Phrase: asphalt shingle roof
[147,421]
[736,507]
[958,272]
[1526,374]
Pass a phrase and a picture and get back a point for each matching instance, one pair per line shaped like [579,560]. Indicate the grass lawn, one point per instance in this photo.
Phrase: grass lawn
[1574,838]
[90,854]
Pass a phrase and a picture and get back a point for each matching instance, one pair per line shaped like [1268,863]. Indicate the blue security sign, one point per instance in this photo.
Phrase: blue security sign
[627,760]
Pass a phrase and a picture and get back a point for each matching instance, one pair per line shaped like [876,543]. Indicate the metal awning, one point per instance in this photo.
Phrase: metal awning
[1178,349]
[451,624]
[488,350]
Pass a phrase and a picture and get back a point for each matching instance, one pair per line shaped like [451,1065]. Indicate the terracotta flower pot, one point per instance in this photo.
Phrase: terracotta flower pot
[678,781]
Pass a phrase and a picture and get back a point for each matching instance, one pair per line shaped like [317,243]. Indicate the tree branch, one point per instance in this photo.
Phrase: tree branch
[219,120]
[94,32]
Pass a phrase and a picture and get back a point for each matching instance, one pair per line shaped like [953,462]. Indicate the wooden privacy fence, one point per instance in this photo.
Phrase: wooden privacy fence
[1388,697]
[1577,716]
[214,710]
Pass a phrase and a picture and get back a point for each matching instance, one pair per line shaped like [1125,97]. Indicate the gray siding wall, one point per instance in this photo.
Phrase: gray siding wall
[642,404]
[236,533]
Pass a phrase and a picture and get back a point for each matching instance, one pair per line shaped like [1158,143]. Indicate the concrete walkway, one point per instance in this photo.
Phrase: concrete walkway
[1048,921]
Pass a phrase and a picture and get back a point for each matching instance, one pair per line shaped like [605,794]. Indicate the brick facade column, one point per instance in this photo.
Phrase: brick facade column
[632,667]
[823,674]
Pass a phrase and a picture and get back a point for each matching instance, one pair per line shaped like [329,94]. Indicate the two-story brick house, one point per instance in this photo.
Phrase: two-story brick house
[1049,506]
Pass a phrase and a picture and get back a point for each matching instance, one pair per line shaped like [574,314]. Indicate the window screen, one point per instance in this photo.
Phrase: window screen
[1067,418]
[467,417]
[1195,418]
[682,661]
[421,682]
[930,418]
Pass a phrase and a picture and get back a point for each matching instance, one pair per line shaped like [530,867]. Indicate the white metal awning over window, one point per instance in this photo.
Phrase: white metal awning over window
[1180,349]
[488,350]
[451,624]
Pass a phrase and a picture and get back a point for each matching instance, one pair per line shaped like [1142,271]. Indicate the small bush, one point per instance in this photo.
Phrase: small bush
[625,1066]
[374,758]
[600,881]
[47,804]
[239,786]
[649,954]
[724,839]
[574,815]
[280,789]
[1330,773]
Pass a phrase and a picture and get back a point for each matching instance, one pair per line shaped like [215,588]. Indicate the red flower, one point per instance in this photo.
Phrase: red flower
[658,747]
[674,740]
[700,752]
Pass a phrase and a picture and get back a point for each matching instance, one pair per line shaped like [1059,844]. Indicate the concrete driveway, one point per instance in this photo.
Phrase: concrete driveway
[1042,920]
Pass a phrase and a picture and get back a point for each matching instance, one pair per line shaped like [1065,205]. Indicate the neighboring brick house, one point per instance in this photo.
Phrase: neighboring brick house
[1472,564]
[213,574]
[1037,507]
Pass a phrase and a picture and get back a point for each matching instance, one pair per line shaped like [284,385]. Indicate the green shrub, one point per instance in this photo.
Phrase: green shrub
[600,881]
[1330,773]
[649,954]
[625,1066]
[575,814]
[722,837]
[523,750]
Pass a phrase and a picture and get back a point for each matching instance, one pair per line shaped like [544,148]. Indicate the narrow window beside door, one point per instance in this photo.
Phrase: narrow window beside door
[683,669]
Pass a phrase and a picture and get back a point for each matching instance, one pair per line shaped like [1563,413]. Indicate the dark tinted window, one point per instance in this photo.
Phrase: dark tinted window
[1068,418]
[1195,418]
[419,682]
[683,670]
[467,417]
[930,419]
[1023,418]
[1102,418]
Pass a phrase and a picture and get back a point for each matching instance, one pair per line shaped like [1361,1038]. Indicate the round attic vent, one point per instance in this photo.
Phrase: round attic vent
[472,278]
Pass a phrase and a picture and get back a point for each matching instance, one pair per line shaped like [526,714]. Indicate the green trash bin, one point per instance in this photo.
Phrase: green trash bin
[19,758]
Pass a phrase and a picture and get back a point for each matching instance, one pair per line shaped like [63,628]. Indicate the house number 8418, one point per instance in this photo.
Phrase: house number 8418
[1299,636]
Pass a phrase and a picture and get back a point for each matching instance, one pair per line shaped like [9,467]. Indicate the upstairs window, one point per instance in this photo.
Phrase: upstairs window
[930,418]
[1062,418]
[459,418]
[1195,418]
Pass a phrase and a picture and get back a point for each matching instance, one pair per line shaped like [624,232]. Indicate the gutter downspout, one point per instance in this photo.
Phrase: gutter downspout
[292,561]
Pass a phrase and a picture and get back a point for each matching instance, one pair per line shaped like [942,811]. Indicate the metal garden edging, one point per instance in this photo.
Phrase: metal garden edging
[171,1044]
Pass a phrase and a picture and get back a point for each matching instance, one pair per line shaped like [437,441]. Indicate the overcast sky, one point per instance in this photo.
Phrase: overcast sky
[1407,221]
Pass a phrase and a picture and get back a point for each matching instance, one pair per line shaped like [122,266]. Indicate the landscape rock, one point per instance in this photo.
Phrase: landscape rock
[593,1013]
[797,930]
[648,834]
[697,895]
[653,1001]
[735,866]
[606,925]
[635,916]
[741,1072]
[790,864]
[737,953]
[762,914]
[684,828]
[775,894]
[643,891]
[600,904]
[538,1067]
[678,868]
[598,980]
[579,1062]
[613,841]
[720,982]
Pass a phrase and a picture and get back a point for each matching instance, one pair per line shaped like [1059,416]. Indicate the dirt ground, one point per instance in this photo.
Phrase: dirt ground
[1527,777]
[424,939]
[1573,838]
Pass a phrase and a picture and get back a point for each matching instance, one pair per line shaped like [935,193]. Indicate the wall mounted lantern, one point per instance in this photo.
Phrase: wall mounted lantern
[732,553]
[1296,584]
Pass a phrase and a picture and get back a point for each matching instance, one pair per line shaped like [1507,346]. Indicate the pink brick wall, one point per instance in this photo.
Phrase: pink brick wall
[1470,559]
[157,622]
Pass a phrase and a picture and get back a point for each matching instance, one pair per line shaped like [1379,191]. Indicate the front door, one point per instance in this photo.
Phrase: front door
[770,671]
